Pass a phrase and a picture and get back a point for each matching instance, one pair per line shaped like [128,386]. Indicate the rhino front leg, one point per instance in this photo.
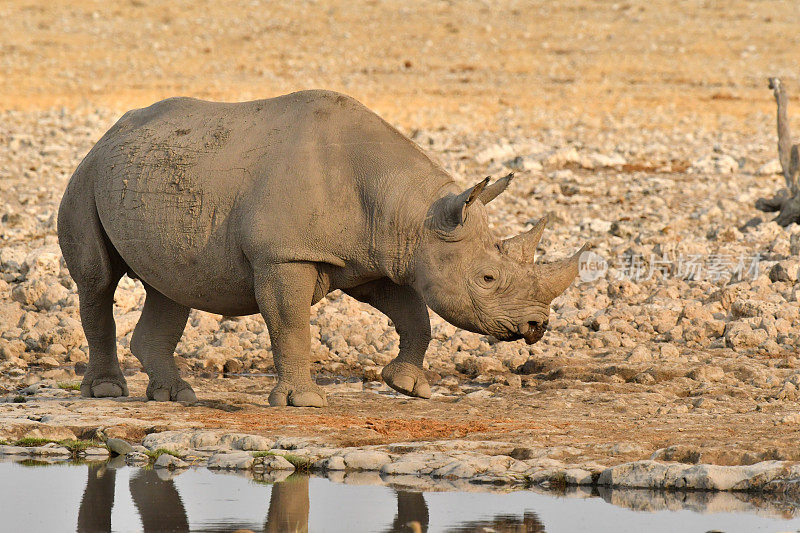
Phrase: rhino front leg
[406,308]
[153,343]
[284,293]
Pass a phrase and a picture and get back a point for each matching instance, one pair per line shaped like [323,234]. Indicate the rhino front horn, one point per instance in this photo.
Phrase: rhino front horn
[557,276]
[523,246]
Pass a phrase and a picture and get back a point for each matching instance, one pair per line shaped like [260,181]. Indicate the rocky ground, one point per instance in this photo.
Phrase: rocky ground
[687,343]
[629,365]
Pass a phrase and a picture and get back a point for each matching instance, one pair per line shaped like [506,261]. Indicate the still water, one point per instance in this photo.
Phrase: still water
[101,497]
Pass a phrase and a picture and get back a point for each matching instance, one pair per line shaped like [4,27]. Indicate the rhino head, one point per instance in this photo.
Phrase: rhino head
[480,283]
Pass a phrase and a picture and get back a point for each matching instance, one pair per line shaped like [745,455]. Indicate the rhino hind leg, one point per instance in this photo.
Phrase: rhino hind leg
[284,293]
[406,308]
[103,377]
[153,343]
[96,267]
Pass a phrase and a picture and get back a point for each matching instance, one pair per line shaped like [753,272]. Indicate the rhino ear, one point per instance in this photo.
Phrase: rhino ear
[468,197]
[492,191]
[455,207]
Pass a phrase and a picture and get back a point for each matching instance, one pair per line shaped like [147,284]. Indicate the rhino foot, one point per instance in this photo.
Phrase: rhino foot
[94,386]
[176,390]
[406,378]
[304,395]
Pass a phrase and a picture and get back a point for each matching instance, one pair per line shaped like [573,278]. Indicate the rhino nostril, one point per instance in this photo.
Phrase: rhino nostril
[537,325]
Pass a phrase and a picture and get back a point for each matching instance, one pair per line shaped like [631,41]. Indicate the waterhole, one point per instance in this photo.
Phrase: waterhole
[114,497]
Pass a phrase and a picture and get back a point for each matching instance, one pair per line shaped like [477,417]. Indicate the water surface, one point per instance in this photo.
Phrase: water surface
[101,497]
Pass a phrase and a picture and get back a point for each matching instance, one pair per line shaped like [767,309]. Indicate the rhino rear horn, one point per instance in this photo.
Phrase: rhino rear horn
[493,191]
[523,246]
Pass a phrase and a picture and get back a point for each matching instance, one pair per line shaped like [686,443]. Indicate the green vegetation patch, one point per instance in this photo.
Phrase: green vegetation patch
[301,465]
[155,454]
[558,482]
[74,446]
[70,385]
[34,463]
[29,442]
[80,445]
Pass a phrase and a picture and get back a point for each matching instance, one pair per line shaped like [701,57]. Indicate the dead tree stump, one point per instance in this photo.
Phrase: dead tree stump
[786,201]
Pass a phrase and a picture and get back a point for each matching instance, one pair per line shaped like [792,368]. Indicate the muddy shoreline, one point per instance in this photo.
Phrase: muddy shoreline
[769,488]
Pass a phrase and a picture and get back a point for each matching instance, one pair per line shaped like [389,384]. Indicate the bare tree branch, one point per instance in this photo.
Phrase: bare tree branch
[787,153]
[786,201]
[769,205]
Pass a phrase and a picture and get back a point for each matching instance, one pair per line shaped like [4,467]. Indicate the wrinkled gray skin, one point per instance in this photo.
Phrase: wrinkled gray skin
[267,206]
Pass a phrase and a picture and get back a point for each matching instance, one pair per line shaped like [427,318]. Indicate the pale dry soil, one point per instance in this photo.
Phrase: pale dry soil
[642,127]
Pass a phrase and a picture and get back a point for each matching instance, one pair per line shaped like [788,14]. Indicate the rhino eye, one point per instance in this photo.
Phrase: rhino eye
[488,278]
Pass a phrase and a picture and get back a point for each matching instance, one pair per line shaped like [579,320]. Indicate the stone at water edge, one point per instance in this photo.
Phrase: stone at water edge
[455,470]
[166,460]
[366,459]
[14,450]
[231,461]
[51,450]
[655,475]
[95,452]
[333,463]
[269,463]
[403,467]
[136,458]
[119,446]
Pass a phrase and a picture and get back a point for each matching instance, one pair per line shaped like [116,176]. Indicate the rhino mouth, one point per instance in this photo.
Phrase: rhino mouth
[533,336]
[534,331]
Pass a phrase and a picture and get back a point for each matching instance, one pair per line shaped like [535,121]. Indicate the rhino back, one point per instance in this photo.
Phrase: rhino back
[191,192]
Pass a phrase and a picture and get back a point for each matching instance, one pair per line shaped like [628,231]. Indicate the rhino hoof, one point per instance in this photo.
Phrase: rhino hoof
[107,390]
[407,379]
[186,395]
[298,396]
[160,395]
[113,387]
[180,391]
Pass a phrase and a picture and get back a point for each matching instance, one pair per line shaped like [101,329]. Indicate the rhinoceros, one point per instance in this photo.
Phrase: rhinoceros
[266,207]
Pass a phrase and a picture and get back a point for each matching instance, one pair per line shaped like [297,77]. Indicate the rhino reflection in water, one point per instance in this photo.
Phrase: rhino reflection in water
[288,505]
[98,499]
[157,501]
[412,512]
[160,507]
